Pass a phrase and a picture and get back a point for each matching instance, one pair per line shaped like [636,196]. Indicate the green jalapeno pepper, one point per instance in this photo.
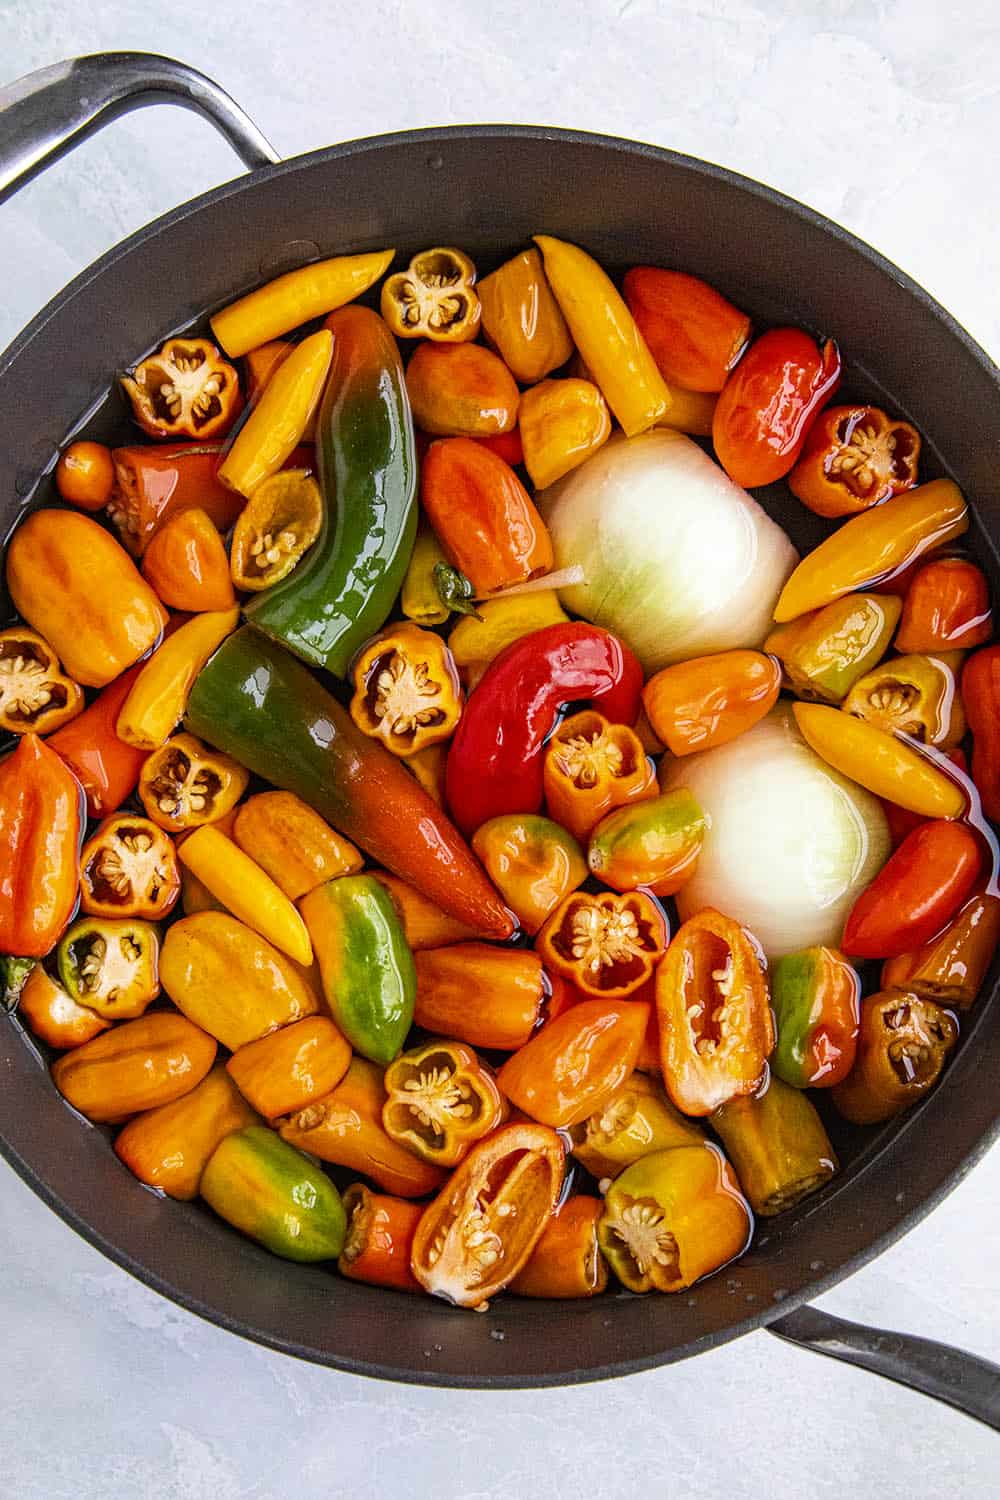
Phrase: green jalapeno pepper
[270,1191]
[111,965]
[814,995]
[343,591]
[824,653]
[778,1146]
[368,974]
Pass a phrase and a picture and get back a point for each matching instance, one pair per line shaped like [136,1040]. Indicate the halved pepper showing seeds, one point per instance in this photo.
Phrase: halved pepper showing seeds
[607,945]
[128,868]
[169,1147]
[369,979]
[777,1145]
[716,1028]
[673,1217]
[533,862]
[592,766]
[36,696]
[185,784]
[815,997]
[111,965]
[292,843]
[440,1100]
[434,298]
[567,1261]
[136,1066]
[950,969]
[276,1195]
[903,1044]
[653,844]
[406,689]
[275,529]
[289,1068]
[914,695]
[575,1063]
[345,1128]
[635,1121]
[185,389]
[380,1230]
[825,652]
[854,457]
[480,1231]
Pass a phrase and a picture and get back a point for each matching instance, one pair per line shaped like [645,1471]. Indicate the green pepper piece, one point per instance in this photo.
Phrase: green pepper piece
[824,653]
[455,590]
[270,1191]
[815,996]
[344,589]
[14,973]
[111,965]
[777,1144]
[369,978]
[264,708]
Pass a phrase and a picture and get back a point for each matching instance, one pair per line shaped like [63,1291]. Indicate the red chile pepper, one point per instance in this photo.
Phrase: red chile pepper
[916,893]
[981,699]
[106,768]
[770,401]
[495,760]
[41,827]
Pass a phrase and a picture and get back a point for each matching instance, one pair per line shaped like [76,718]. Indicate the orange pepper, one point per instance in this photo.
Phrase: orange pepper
[716,1027]
[135,1066]
[289,1068]
[345,1127]
[291,842]
[567,1261]
[184,784]
[380,1231]
[406,689]
[946,608]
[85,475]
[521,318]
[950,969]
[424,924]
[575,1064]
[532,861]
[903,1044]
[35,694]
[104,765]
[854,457]
[489,997]
[187,565]
[693,333]
[440,1101]
[54,1016]
[605,944]
[483,516]
[562,423]
[461,390]
[169,1147]
[128,868]
[186,389]
[41,827]
[591,767]
[153,483]
[708,701]
[653,844]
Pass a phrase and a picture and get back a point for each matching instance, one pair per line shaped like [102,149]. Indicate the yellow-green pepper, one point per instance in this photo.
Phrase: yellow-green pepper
[917,695]
[778,1146]
[824,653]
[270,1191]
[639,1119]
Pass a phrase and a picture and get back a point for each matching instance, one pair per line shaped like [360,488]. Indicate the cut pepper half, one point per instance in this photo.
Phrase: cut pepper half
[186,389]
[129,868]
[440,1100]
[406,690]
[36,696]
[185,784]
[279,524]
[111,967]
[605,944]
[433,298]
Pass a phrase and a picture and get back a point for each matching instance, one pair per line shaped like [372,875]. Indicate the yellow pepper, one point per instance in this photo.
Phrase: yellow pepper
[286,407]
[690,411]
[421,601]
[434,298]
[882,762]
[606,335]
[562,422]
[292,299]
[917,695]
[875,545]
[475,642]
[248,892]
[825,651]
[159,695]
[521,319]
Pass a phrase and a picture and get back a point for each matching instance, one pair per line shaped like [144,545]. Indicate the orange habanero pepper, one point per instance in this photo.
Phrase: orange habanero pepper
[153,483]
[854,458]
[903,1044]
[533,862]
[981,700]
[41,825]
[591,767]
[185,389]
[693,333]
[567,1261]
[576,1063]
[138,1065]
[946,608]
[440,1101]
[104,765]
[951,967]
[424,924]
[54,1016]
[380,1231]
[128,868]
[483,516]
[461,390]
[187,565]
[607,945]
[489,997]
[708,701]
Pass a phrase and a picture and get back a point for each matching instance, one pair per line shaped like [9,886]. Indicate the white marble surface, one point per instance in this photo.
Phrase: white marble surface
[884,115]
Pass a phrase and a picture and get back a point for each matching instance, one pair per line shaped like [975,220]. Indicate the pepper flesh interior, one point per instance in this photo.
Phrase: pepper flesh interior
[181,788]
[437,1098]
[132,866]
[27,685]
[640,1224]
[402,693]
[106,969]
[707,981]
[868,456]
[592,755]
[611,942]
[918,1037]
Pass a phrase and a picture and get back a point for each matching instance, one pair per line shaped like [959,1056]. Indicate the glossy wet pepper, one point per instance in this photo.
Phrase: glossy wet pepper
[368,976]
[128,868]
[406,690]
[981,697]
[770,401]
[916,695]
[490,997]
[946,608]
[652,844]
[521,318]
[854,457]
[824,653]
[310,291]
[41,826]
[185,389]
[950,968]
[158,697]
[138,1065]
[590,767]
[169,1147]
[777,1145]
[186,564]
[916,894]
[882,762]
[607,945]
[292,843]
[477,640]
[903,1044]
[693,333]
[815,996]
[380,1230]
[53,1015]
[577,1062]
[184,784]
[709,700]
[289,1068]
[36,696]
[153,484]
[636,1120]
[271,1192]
[256,702]
[441,1100]
[495,760]
[434,298]
[532,861]
[567,1261]
[342,592]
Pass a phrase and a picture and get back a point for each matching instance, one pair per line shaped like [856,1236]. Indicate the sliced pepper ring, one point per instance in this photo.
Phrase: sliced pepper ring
[592,766]
[186,389]
[185,784]
[441,1100]
[36,696]
[128,868]
[605,944]
[433,298]
[111,967]
[278,525]
[406,690]
[914,695]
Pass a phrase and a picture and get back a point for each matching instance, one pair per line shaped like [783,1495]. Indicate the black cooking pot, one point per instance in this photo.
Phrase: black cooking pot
[487,188]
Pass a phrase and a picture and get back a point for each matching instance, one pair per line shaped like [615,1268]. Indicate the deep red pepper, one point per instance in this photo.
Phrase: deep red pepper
[495,760]
[770,401]
[916,893]
[981,698]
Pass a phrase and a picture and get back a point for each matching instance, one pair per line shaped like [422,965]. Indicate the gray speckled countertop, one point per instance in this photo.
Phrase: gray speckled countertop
[883,115]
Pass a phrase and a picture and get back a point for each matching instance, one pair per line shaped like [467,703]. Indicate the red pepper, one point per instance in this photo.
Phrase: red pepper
[946,608]
[154,482]
[769,403]
[41,826]
[916,893]
[106,768]
[981,700]
[495,760]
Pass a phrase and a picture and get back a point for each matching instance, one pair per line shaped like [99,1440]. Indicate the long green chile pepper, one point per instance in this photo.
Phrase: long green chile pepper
[345,587]
[269,712]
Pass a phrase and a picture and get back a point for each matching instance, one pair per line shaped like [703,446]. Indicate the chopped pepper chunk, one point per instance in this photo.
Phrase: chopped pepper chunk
[185,784]
[111,966]
[406,690]
[35,694]
[186,389]
[592,766]
[606,945]
[128,868]
[433,298]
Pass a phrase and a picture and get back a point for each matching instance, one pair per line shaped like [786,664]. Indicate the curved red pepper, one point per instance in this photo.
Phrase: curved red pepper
[916,894]
[495,761]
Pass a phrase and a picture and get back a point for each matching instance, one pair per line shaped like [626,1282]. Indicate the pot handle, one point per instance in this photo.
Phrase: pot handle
[962,1380]
[45,114]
